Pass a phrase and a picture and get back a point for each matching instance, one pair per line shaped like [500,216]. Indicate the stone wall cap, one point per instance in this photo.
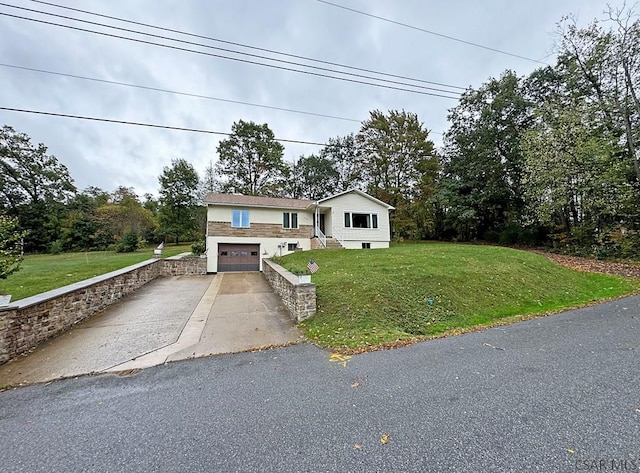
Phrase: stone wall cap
[45,296]
[181,256]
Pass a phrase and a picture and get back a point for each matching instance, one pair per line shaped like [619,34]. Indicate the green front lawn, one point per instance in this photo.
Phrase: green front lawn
[40,273]
[373,298]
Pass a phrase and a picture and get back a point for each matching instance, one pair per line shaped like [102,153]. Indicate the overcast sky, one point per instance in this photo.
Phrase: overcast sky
[108,155]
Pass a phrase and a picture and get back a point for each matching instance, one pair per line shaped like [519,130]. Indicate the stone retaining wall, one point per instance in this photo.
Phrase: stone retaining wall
[185,266]
[28,322]
[298,298]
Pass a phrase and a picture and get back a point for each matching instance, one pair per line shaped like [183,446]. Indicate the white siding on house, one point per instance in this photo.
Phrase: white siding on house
[353,237]
[357,245]
[259,215]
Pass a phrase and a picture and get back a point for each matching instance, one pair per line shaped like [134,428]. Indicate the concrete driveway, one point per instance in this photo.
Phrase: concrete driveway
[168,319]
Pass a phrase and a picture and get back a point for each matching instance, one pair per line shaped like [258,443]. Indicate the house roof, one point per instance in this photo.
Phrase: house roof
[359,192]
[256,201]
[278,202]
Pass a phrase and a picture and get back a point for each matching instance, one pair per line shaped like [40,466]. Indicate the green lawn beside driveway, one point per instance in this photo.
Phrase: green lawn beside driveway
[372,298]
[41,273]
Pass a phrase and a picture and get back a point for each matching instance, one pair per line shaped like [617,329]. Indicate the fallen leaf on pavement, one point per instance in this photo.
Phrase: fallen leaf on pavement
[338,358]
[491,346]
[570,451]
[357,446]
[355,385]
[384,439]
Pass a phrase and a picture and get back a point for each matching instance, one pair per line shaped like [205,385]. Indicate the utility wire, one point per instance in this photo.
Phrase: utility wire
[94,79]
[470,43]
[320,61]
[151,125]
[156,89]
[191,43]
[177,48]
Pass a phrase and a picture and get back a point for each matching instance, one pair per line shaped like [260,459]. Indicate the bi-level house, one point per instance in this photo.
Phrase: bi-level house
[243,229]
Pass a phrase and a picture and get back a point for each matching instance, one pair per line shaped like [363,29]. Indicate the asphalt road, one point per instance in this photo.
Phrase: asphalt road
[560,393]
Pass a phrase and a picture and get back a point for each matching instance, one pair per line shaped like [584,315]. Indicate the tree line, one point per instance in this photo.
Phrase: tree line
[550,158]
[39,199]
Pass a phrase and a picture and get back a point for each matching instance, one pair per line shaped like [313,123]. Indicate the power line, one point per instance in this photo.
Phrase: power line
[156,89]
[470,43]
[191,43]
[320,61]
[151,125]
[177,48]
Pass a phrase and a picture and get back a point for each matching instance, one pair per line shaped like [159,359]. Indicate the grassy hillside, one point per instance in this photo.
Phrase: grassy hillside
[40,273]
[413,291]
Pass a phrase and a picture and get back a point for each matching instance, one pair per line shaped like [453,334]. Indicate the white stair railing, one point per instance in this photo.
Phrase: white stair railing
[321,236]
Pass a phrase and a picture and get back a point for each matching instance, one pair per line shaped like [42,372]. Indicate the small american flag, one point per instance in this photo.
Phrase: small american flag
[313,266]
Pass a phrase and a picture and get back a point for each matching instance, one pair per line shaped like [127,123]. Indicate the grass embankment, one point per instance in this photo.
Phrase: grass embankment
[40,273]
[370,299]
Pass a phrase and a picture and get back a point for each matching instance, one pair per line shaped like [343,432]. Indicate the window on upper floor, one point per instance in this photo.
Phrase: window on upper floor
[240,219]
[358,220]
[289,220]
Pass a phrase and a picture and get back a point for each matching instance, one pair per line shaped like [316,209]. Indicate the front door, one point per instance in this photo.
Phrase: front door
[238,257]
[322,224]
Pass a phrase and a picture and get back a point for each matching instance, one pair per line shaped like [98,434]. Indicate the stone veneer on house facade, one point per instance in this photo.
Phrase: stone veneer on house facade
[259,230]
[298,298]
[29,322]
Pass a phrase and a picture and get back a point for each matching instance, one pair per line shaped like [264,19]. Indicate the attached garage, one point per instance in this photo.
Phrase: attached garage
[238,257]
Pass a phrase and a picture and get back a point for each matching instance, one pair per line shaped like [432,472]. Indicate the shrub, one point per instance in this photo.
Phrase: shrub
[56,247]
[199,247]
[129,242]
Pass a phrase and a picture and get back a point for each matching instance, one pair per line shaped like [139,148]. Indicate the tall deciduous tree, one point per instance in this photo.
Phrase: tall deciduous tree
[178,199]
[481,189]
[397,157]
[33,186]
[313,177]
[209,182]
[251,161]
[342,152]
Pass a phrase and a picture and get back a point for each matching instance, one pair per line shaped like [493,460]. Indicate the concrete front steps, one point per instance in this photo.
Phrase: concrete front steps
[332,243]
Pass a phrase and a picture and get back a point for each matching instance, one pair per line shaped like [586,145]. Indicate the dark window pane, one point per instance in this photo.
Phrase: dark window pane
[361,220]
[224,253]
[347,219]
[374,220]
[285,220]
[294,220]
[254,253]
